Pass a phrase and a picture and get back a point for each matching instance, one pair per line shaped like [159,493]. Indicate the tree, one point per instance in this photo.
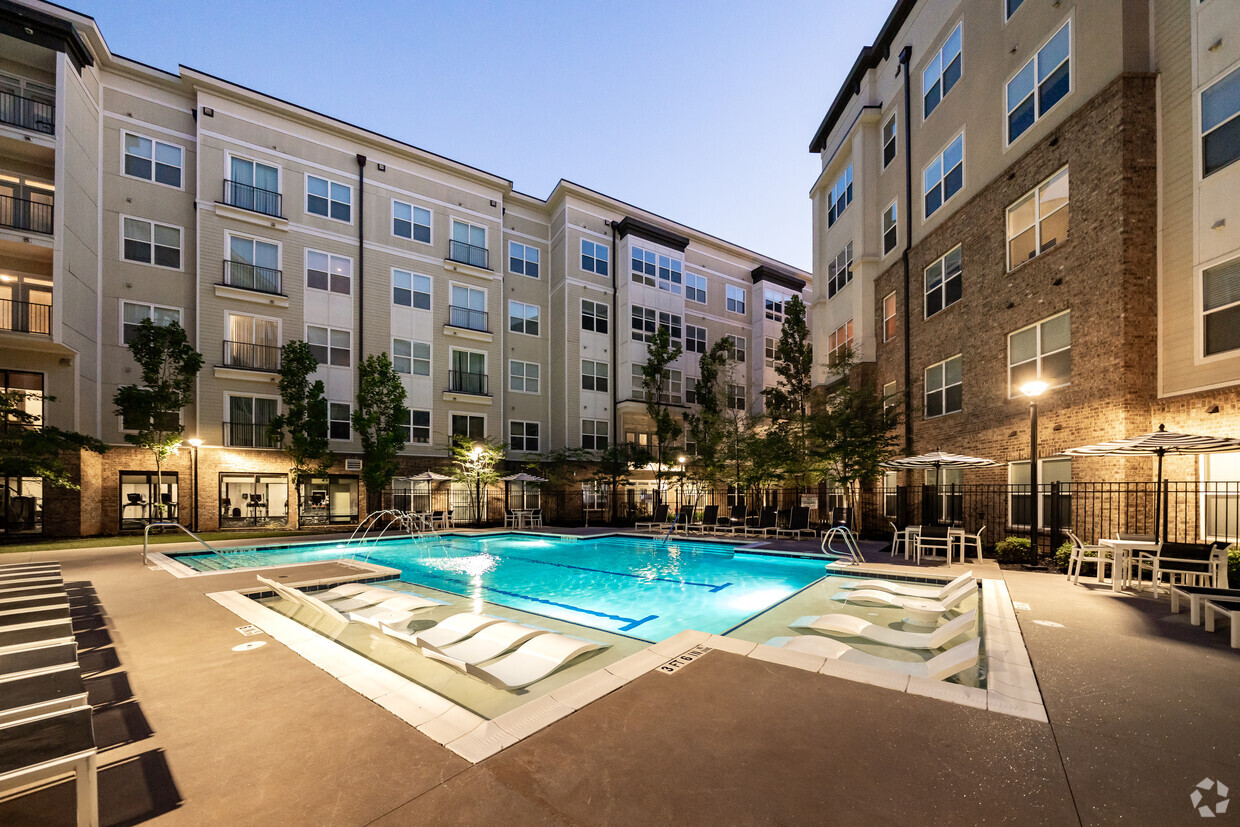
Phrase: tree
[378,418]
[474,463]
[656,379]
[788,402]
[706,426]
[615,463]
[30,449]
[169,367]
[302,429]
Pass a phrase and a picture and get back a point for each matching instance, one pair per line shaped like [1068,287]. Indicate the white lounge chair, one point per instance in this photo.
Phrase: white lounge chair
[874,597]
[455,628]
[940,667]
[336,620]
[533,661]
[910,590]
[490,642]
[850,626]
[387,598]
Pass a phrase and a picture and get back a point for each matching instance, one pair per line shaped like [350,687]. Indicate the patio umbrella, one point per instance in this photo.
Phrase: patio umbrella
[430,478]
[937,460]
[1158,444]
[521,477]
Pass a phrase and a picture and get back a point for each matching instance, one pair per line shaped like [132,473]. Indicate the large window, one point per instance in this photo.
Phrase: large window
[253,342]
[132,314]
[253,264]
[695,288]
[770,351]
[468,373]
[889,141]
[249,421]
[889,317]
[945,176]
[594,257]
[657,270]
[253,499]
[418,431]
[736,347]
[411,222]
[146,496]
[943,282]
[469,426]
[412,358]
[890,229]
[646,320]
[1041,351]
[523,436]
[593,316]
[735,299]
[30,385]
[942,73]
[594,375]
[1050,471]
[469,244]
[1220,124]
[153,160]
[1040,84]
[839,342]
[673,387]
[330,346]
[523,318]
[522,259]
[467,307]
[329,272]
[944,388]
[775,304]
[839,270]
[736,396]
[329,199]
[411,290]
[695,339]
[339,424]
[1221,295]
[840,196]
[523,377]
[1039,220]
[149,242]
[594,434]
[253,186]
[1221,499]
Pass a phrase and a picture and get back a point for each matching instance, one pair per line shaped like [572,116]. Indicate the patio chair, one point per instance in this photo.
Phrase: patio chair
[950,662]
[489,642]
[911,590]
[852,626]
[1082,553]
[510,518]
[933,538]
[455,628]
[536,517]
[658,522]
[974,540]
[710,516]
[386,599]
[1187,561]
[533,661]
[765,525]
[875,597]
[897,540]
[736,520]
[798,524]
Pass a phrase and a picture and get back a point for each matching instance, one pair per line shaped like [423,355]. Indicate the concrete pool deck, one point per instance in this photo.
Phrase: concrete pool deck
[1141,708]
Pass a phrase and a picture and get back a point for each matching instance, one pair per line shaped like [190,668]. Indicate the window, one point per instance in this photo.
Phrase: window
[645,320]
[691,390]
[736,347]
[252,342]
[593,316]
[736,397]
[943,282]
[1050,471]
[328,272]
[1220,124]
[147,242]
[248,421]
[736,299]
[594,375]
[1221,499]
[253,186]
[657,270]
[594,434]
[413,358]
[470,427]
[132,314]
[523,318]
[840,196]
[645,266]
[890,231]
[467,307]
[468,372]
[153,160]
[889,399]
[839,270]
[330,346]
[1039,220]
[891,494]
[30,385]
[695,288]
[522,259]
[411,290]
[889,141]
[950,506]
[469,244]
[944,394]
[338,426]
[1221,305]
[945,176]
[252,264]
[942,73]
[775,305]
[418,431]
[673,387]
[523,376]
[411,222]
[1010,8]
[1040,84]
[839,342]
[522,436]
[889,317]
[594,257]
[1041,351]
[695,339]
[329,199]
[770,351]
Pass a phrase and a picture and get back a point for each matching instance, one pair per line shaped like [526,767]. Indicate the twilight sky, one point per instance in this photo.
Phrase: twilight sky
[699,111]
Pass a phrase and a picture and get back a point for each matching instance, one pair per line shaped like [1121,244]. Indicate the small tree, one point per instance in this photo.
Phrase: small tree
[788,402]
[474,463]
[656,378]
[615,463]
[706,426]
[31,449]
[302,429]
[169,366]
[378,419]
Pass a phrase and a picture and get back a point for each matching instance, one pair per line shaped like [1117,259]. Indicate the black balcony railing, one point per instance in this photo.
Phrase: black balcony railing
[25,317]
[251,356]
[249,435]
[468,254]
[252,277]
[250,197]
[467,318]
[27,113]
[24,214]
[460,381]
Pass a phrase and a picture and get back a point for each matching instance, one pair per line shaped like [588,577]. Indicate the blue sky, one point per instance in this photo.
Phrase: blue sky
[698,111]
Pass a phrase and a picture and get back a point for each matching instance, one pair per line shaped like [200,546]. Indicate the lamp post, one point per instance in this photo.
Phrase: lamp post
[194,443]
[681,500]
[1033,390]
[474,455]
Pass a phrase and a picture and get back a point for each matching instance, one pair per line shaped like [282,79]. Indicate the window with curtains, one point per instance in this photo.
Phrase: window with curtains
[253,264]
[253,342]
[253,186]
[248,421]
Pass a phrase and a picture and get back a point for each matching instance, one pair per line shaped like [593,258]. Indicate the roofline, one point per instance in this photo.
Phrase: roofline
[869,58]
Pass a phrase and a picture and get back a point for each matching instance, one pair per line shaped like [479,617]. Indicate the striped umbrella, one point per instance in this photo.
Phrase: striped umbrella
[1159,444]
[937,460]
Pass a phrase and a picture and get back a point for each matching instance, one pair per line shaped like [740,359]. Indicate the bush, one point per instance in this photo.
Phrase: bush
[1062,555]
[1014,550]
[1233,567]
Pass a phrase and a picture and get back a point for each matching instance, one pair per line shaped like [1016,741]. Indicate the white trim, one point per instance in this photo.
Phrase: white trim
[392,202]
[156,101]
[228,157]
[525,379]
[964,181]
[1067,20]
[1200,357]
[154,146]
[925,388]
[525,248]
[937,52]
[525,422]
[180,246]
[472,414]
[349,405]
[305,272]
[412,273]
[172,133]
[305,202]
[524,319]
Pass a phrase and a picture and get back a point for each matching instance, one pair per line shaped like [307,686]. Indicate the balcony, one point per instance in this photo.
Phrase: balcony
[25,317]
[469,254]
[24,214]
[252,277]
[27,113]
[254,199]
[460,381]
[250,356]
[249,435]
[468,318]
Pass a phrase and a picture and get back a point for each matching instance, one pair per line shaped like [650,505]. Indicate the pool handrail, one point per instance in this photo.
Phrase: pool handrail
[146,537]
[852,552]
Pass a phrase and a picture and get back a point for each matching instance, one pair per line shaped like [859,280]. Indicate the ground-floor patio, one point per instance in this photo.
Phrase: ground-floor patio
[1141,707]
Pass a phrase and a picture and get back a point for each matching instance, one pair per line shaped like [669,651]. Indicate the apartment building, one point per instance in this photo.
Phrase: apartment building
[1018,189]
[129,193]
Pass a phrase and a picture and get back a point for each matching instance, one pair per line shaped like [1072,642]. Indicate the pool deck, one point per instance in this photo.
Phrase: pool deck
[1141,707]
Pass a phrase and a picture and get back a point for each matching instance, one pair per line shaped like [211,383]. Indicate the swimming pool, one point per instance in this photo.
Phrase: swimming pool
[630,585]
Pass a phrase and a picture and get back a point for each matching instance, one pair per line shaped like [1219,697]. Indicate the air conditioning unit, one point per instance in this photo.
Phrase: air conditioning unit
[353,465]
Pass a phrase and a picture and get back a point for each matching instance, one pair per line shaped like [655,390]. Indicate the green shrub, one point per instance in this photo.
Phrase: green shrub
[1233,567]
[1014,550]
[1062,555]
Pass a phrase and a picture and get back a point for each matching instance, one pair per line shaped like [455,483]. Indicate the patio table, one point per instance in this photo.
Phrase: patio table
[525,517]
[1121,558]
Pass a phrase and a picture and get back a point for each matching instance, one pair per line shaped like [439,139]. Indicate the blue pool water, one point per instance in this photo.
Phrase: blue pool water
[631,585]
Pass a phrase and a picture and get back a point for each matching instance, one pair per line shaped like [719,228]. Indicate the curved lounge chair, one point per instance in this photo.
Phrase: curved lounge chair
[387,598]
[490,642]
[941,666]
[850,626]
[533,660]
[874,597]
[909,590]
[454,629]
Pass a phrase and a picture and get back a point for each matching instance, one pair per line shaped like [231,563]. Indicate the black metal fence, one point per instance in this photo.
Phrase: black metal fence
[470,254]
[256,199]
[252,277]
[468,318]
[25,317]
[27,113]
[251,356]
[26,214]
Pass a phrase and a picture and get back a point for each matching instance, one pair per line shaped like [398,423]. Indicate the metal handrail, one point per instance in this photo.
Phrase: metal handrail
[26,214]
[470,254]
[252,198]
[246,276]
[251,355]
[27,113]
[146,537]
[25,317]
[460,381]
[468,318]
[852,552]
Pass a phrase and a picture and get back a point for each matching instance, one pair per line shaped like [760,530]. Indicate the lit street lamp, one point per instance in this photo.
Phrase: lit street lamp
[474,455]
[1033,390]
[194,443]
[681,462]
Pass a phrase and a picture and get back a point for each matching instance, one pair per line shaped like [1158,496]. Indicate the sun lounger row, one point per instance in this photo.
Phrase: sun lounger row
[740,521]
[335,608]
[1211,604]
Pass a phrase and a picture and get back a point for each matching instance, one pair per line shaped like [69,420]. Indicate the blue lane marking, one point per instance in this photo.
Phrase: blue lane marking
[713,587]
